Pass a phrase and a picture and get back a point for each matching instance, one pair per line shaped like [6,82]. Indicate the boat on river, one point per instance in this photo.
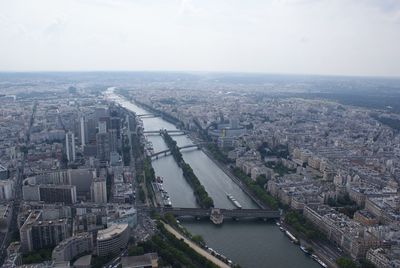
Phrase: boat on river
[320,262]
[292,237]
[234,201]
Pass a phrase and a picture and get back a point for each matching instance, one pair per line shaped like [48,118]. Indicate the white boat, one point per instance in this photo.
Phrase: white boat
[292,237]
[320,262]
[303,248]
[234,201]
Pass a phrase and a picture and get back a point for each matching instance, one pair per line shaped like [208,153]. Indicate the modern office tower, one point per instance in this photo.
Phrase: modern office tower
[115,123]
[37,233]
[112,240]
[58,194]
[102,127]
[72,247]
[113,140]
[99,191]
[103,146]
[82,131]
[91,129]
[6,190]
[70,146]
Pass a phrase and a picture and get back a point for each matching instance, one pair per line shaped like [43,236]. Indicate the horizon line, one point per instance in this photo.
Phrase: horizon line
[201,72]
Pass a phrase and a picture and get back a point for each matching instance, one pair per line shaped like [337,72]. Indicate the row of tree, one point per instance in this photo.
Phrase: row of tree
[173,251]
[202,197]
[256,188]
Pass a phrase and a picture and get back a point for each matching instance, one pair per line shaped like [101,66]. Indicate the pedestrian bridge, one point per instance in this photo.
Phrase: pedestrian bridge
[227,213]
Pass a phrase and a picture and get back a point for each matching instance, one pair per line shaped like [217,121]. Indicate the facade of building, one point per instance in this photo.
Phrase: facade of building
[103,146]
[50,193]
[112,240]
[73,246]
[37,233]
[58,194]
[6,190]
[99,191]
[70,146]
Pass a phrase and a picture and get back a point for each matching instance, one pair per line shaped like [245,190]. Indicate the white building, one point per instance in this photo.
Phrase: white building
[112,240]
[6,189]
[99,191]
[70,146]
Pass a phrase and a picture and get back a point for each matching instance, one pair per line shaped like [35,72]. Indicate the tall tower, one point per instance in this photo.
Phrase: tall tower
[70,146]
[82,132]
[103,146]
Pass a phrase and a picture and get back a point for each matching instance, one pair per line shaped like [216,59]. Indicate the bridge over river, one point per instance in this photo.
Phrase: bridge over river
[197,145]
[226,213]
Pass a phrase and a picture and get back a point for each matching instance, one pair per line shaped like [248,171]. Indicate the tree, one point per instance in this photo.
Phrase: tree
[343,262]
[366,264]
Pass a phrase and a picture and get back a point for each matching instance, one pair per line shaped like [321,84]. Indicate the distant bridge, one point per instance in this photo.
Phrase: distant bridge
[161,131]
[227,213]
[197,145]
[149,115]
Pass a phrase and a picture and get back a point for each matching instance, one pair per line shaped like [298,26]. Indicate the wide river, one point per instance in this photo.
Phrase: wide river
[250,244]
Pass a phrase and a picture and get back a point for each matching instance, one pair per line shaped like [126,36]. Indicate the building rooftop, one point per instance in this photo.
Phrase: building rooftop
[111,231]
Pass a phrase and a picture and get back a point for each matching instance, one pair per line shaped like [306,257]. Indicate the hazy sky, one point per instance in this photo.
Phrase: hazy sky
[351,37]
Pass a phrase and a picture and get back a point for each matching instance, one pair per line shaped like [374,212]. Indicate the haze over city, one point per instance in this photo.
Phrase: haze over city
[275,36]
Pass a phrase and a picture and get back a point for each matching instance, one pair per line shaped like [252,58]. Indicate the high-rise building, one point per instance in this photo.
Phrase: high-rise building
[91,124]
[103,146]
[6,189]
[99,190]
[113,140]
[83,132]
[115,123]
[37,233]
[102,126]
[70,146]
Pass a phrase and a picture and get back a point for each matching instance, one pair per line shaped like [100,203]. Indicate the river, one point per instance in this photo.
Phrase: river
[248,243]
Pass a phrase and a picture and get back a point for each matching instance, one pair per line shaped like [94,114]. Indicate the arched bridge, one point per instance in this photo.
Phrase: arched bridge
[227,213]
[197,145]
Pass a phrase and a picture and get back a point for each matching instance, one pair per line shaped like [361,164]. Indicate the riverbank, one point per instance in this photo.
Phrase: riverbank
[237,181]
[195,247]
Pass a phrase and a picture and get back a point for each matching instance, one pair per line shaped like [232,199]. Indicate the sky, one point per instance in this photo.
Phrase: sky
[333,37]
